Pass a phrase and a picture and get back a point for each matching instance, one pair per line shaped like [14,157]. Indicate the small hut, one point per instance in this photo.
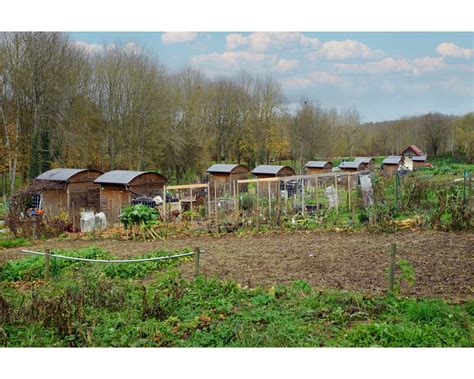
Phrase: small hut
[222,176]
[353,166]
[119,187]
[391,164]
[69,191]
[318,167]
[368,163]
[271,171]
[412,151]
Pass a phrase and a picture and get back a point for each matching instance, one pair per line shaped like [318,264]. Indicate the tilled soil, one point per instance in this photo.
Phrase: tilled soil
[443,262]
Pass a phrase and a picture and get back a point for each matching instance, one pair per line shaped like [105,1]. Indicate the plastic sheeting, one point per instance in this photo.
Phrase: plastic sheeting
[367,190]
[333,197]
[87,222]
[100,221]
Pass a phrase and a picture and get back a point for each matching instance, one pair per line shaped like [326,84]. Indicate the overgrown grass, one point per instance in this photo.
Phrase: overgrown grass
[32,268]
[85,306]
[13,242]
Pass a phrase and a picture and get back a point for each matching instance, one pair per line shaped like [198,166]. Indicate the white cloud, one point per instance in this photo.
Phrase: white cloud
[284,65]
[93,48]
[178,37]
[347,49]
[311,79]
[449,49]
[263,41]
[412,66]
[233,59]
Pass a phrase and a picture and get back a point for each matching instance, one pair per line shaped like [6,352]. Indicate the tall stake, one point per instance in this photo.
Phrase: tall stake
[337,196]
[197,258]
[46,265]
[208,201]
[391,272]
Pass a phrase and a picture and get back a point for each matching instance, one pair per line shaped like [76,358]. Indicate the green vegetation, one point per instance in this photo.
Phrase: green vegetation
[13,242]
[87,305]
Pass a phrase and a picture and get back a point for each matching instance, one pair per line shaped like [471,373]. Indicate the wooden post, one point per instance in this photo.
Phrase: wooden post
[215,200]
[197,258]
[191,202]
[302,197]
[208,201]
[33,228]
[46,265]
[236,203]
[349,191]
[317,194]
[164,203]
[269,201]
[391,272]
[337,196]
[286,197]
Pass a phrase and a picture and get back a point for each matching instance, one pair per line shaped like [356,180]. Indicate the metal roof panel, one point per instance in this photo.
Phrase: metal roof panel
[119,177]
[268,169]
[60,174]
[222,168]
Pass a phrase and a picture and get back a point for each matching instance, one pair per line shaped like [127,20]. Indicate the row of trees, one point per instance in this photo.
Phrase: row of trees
[62,106]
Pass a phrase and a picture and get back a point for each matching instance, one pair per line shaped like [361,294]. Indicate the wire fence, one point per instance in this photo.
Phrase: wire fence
[109,260]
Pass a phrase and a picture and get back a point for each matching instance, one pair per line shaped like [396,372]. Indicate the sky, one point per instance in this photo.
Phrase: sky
[384,75]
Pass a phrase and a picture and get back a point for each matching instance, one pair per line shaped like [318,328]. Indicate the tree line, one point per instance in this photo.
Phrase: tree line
[120,108]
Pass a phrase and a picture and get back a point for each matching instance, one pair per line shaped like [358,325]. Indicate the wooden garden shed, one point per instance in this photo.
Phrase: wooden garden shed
[412,151]
[119,187]
[391,164]
[69,191]
[222,176]
[367,162]
[271,171]
[353,166]
[318,167]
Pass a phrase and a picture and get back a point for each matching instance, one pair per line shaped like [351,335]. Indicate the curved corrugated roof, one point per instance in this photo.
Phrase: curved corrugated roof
[421,158]
[393,159]
[347,164]
[316,164]
[223,168]
[61,174]
[268,169]
[120,176]
[365,160]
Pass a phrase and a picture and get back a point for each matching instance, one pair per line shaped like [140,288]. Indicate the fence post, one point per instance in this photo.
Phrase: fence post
[391,272]
[317,194]
[197,257]
[337,195]
[349,191]
[164,204]
[208,201]
[46,265]
[33,228]
[191,202]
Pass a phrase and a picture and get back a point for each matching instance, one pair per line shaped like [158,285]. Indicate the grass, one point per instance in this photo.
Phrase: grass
[13,242]
[85,306]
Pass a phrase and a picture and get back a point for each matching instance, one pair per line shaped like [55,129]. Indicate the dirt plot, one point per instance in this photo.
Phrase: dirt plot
[443,262]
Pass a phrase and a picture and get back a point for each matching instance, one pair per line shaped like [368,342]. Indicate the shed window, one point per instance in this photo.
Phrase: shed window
[36,201]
